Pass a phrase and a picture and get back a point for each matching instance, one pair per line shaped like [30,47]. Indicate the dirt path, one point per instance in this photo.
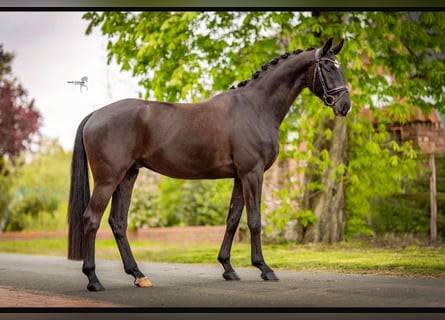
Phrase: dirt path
[197,286]
[14,298]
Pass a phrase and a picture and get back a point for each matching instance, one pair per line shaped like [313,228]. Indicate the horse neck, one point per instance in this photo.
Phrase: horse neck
[277,88]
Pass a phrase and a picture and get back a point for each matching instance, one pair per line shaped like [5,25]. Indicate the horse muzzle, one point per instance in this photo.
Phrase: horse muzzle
[341,105]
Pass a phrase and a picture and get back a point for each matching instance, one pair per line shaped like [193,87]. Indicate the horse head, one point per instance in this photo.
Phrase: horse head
[325,79]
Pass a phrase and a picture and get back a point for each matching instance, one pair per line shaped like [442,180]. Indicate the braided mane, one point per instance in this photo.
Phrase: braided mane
[265,66]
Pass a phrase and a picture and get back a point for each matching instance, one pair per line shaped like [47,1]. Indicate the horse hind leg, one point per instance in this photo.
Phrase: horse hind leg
[91,220]
[118,221]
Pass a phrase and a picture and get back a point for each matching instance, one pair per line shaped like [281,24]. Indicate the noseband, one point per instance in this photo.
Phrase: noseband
[328,97]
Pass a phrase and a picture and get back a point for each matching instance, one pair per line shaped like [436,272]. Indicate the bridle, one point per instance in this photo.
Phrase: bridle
[328,97]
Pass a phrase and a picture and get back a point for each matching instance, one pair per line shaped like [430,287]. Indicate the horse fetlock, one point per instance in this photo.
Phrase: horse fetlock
[223,260]
[260,264]
[89,272]
[135,272]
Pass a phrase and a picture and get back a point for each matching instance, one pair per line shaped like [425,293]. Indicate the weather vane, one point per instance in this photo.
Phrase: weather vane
[81,83]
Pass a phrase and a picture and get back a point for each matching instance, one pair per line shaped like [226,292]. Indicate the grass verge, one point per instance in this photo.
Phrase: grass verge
[411,261]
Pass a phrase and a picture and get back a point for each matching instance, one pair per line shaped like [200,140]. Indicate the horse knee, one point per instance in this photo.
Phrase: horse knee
[254,226]
[232,225]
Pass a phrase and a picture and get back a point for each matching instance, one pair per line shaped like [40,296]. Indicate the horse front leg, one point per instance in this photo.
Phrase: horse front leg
[233,218]
[252,187]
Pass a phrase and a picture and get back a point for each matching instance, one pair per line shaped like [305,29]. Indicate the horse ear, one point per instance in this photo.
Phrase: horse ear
[327,46]
[338,47]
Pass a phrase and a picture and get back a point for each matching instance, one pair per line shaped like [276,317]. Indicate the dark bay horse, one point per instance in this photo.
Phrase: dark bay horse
[232,135]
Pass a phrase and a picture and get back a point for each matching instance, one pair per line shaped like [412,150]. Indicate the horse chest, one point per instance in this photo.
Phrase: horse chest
[270,153]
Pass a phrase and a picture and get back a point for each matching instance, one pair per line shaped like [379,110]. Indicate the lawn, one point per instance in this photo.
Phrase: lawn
[412,261]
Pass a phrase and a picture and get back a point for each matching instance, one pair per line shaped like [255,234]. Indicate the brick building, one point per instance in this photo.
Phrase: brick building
[426,131]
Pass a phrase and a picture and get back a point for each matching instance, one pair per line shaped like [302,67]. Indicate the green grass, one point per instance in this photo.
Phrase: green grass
[343,258]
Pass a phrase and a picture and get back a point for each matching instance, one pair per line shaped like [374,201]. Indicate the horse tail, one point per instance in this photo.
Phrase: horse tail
[79,195]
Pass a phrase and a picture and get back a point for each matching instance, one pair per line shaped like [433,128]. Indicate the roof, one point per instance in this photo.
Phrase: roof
[417,116]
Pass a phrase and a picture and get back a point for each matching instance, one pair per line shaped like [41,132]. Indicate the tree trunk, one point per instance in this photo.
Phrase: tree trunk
[328,204]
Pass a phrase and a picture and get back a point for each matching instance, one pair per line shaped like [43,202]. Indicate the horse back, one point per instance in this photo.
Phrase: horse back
[190,141]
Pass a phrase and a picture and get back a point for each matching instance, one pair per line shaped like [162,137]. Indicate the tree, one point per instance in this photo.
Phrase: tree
[19,118]
[392,58]
[19,122]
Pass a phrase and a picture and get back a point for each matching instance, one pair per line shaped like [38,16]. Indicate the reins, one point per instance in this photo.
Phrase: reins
[328,97]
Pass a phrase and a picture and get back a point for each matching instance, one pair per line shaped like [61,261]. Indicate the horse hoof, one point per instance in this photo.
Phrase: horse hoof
[95,287]
[269,276]
[230,275]
[143,282]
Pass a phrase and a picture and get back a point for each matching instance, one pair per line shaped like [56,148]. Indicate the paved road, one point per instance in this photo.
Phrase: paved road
[181,285]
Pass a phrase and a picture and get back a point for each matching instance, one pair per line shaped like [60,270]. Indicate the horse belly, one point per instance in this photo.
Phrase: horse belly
[190,172]
[186,163]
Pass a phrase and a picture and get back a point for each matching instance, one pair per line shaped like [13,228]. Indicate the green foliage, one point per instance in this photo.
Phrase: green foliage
[287,210]
[179,202]
[391,215]
[142,212]
[180,55]
[189,55]
[207,203]
[5,197]
[40,190]
[376,169]
[409,212]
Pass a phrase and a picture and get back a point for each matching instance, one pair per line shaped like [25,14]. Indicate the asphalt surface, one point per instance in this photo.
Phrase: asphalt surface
[185,286]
